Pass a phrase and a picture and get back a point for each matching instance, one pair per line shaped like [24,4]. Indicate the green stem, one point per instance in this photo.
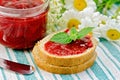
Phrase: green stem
[116,13]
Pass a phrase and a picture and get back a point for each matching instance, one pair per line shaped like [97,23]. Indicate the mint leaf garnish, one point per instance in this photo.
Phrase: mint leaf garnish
[83,32]
[62,38]
[65,38]
[73,33]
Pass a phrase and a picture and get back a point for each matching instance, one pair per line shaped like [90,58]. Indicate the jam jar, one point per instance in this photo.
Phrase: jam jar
[22,22]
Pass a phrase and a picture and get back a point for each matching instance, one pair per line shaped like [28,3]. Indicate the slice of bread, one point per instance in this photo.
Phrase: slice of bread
[63,70]
[70,60]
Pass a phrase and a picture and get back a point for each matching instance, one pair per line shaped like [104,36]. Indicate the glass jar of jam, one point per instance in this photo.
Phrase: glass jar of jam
[22,22]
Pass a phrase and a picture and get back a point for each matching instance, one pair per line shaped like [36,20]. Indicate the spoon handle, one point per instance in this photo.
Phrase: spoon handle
[16,67]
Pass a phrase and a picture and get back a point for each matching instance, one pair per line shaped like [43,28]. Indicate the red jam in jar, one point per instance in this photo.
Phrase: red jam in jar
[73,48]
[22,22]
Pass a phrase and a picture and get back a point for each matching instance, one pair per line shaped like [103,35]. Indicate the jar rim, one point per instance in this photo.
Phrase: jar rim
[14,9]
[28,12]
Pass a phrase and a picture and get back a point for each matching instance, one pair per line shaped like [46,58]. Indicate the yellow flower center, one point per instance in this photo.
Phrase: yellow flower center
[113,34]
[73,23]
[103,22]
[79,4]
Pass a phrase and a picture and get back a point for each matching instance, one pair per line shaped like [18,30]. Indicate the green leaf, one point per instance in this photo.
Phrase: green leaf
[61,37]
[73,33]
[63,10]
[84,32]
[96,1]
[65,38]
[104,5]
[63,1]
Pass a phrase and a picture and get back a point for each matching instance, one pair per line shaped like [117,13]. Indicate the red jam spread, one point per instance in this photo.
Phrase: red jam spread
[73,48]
[20,33]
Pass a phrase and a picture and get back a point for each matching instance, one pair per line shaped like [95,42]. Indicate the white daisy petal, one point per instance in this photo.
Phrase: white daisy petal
[67,16]
[118,19]
[69,4]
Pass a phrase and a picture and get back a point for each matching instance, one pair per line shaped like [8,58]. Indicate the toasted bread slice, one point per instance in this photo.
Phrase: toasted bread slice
[63,70]
[70,60]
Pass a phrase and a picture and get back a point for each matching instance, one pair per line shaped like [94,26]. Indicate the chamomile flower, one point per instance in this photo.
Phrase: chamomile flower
[100,19]
[80,5]
[70,19]
[110,32]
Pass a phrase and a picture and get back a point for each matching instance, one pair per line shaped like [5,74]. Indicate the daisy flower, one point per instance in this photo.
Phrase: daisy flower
[110,32]
[100,19]
[80,5]
[70,19]
[94,19]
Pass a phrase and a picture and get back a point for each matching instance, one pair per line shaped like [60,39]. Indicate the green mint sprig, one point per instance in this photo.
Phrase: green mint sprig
[65,38]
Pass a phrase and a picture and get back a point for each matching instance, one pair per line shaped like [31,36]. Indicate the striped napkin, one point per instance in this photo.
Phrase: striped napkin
[106,66]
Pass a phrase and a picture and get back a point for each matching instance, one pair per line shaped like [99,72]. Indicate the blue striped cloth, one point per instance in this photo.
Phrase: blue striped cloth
[106,66]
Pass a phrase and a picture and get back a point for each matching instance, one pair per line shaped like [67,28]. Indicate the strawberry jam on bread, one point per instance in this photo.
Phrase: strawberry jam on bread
[79,53]
[75,47]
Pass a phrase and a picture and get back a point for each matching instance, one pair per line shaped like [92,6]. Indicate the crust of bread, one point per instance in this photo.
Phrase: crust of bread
[63,70]
[71,60]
